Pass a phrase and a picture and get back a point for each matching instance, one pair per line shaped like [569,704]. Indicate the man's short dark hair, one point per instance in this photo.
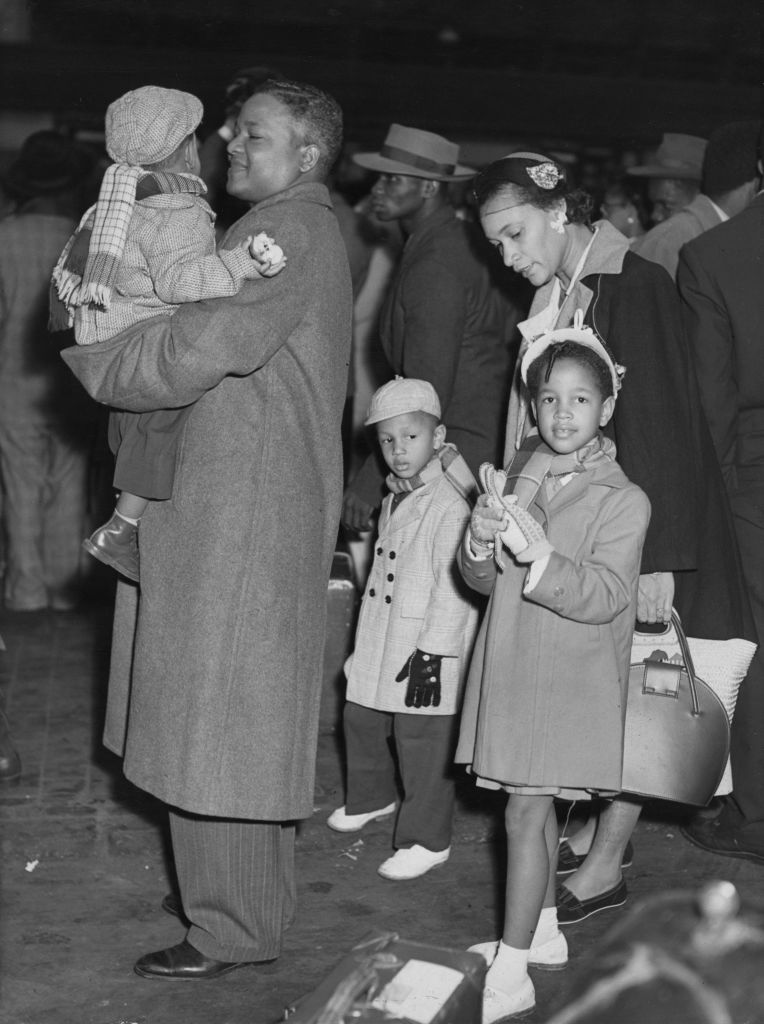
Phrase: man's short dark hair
[318,115]
[731,156]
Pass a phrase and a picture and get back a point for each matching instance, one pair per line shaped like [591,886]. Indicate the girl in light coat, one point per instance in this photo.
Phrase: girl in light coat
[545,700]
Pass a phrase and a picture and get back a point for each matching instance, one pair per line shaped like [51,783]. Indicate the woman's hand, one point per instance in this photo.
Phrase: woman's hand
[486,521]
[655,597]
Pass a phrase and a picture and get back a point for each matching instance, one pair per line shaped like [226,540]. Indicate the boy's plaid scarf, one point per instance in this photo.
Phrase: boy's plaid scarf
[448,461]
[88,266]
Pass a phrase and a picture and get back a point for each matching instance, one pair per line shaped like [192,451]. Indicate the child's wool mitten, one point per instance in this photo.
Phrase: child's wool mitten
[423,673]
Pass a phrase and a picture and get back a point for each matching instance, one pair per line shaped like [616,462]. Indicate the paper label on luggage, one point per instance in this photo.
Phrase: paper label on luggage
[419,991]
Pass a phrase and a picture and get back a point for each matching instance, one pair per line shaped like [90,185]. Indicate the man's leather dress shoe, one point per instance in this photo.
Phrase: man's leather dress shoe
[172,905]
[183,963]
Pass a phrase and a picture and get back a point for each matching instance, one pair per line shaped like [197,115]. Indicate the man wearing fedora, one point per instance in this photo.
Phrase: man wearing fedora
[445,319]
[727,171]
[46,422]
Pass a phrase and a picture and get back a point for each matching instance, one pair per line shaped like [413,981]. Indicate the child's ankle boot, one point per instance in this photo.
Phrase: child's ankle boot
[116,544]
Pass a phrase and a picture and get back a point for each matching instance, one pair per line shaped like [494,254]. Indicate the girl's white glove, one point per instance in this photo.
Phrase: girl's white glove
[520,532]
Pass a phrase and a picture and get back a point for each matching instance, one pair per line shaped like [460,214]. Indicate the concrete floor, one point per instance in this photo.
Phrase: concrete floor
[84,866]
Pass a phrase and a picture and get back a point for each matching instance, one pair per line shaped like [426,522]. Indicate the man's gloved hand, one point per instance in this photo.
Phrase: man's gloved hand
[423,673]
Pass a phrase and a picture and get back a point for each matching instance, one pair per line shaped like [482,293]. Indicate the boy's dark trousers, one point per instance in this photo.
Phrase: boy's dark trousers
[424,748]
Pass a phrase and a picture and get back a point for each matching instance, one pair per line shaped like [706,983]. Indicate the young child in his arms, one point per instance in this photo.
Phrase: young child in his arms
[415,631]
[146,246]
[545,700]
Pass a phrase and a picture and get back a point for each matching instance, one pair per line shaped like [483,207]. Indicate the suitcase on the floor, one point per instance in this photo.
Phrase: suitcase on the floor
[386,978]
[341,609]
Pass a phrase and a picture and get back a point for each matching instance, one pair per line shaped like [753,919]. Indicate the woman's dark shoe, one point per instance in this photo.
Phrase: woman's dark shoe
[568,861]
[116,544]
[183,963]
[571,910]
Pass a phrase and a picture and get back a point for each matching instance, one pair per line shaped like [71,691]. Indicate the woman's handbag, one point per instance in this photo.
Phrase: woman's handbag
[677,731]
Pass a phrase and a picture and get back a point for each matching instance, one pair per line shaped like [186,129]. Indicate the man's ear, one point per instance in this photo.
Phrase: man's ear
[430,188]
[309,157]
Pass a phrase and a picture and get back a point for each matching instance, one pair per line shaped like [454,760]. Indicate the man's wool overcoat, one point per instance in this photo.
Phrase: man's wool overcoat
[214,695]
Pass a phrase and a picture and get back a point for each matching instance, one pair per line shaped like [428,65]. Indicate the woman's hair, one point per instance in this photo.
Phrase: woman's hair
[540,369]
[536,180]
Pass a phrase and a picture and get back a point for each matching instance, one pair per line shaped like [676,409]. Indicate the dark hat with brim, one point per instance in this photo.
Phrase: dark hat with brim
[48,163]
[678,156]
[417,154]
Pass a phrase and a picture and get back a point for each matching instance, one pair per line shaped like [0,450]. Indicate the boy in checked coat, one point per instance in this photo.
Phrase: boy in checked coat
[414,637]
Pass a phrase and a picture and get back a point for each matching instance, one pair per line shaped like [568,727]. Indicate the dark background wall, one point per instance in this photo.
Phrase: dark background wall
[583,74]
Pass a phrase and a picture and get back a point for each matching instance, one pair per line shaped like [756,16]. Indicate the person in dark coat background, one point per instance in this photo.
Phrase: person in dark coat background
[721,284]
[215,679]
[446,319]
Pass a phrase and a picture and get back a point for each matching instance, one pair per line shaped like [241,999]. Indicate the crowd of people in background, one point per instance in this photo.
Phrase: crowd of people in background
[411,299]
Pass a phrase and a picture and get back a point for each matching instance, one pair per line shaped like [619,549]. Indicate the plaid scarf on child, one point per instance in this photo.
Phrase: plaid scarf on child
[88,266]
[448,461]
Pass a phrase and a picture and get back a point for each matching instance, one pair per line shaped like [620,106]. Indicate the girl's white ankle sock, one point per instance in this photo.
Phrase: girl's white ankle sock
[547,928]
[509,969]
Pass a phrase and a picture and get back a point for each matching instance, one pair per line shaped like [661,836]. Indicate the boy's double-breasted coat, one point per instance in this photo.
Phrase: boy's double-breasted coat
[214,691]
[414,598]
[546,692]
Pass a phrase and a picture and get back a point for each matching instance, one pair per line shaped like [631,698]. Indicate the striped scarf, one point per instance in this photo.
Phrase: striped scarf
[448,461]
[88,266]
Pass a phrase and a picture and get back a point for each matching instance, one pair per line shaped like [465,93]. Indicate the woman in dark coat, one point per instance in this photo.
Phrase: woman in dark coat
[690,558]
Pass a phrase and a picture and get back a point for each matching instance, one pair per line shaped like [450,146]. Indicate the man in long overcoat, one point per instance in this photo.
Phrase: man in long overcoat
[721,283]
[216,662]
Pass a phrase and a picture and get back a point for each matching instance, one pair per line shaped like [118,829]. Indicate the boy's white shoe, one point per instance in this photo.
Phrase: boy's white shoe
[342,822]
[411,863]
[501,1006]
[551,955]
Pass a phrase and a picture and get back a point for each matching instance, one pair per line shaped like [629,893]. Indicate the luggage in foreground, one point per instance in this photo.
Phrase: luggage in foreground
[385,978]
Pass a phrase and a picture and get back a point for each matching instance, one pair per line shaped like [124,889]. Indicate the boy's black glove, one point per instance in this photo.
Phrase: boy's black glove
[423,672]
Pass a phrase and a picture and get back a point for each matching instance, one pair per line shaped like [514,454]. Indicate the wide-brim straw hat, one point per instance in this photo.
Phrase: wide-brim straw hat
[678,156]
[417,154]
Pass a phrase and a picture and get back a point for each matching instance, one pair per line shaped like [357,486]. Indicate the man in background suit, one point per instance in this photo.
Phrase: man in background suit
[721,283]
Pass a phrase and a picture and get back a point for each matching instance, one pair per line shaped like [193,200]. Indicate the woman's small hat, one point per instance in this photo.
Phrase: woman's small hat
[148,124]
[418,154]
[400,396]
[678,156]
[581,335]
[48,163]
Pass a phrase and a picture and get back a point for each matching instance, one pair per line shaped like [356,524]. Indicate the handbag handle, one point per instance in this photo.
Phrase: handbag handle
[689,666]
